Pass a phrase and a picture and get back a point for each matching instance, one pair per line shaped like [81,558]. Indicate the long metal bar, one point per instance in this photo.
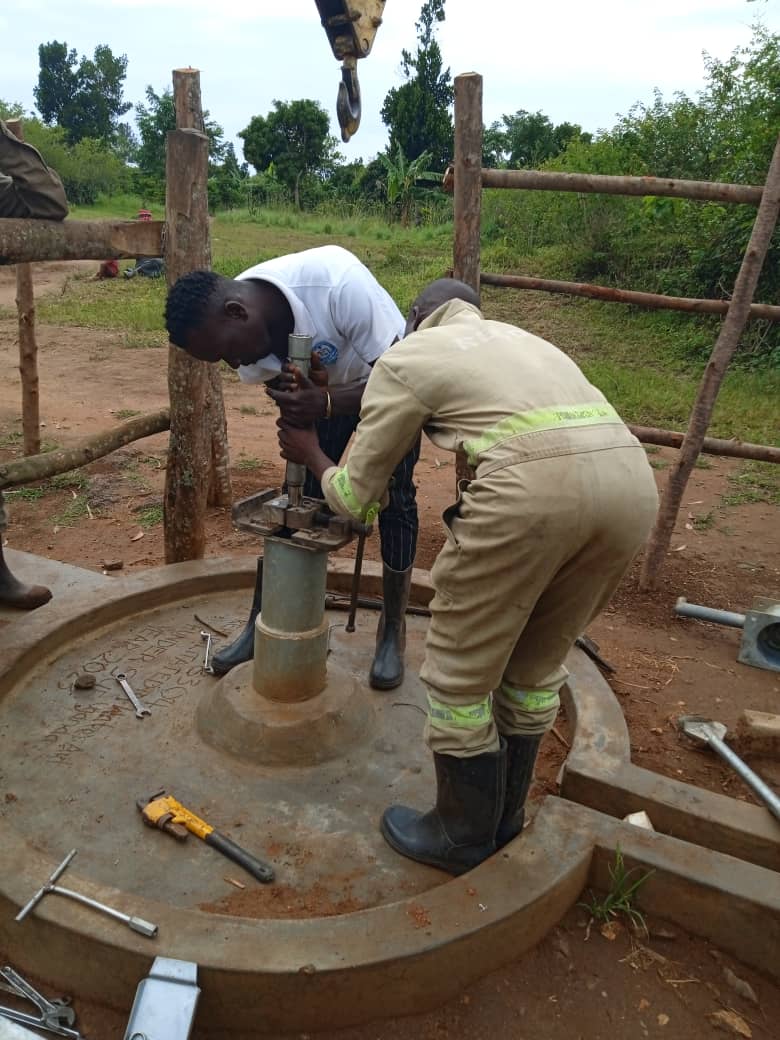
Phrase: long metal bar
[753,780]
[719,617]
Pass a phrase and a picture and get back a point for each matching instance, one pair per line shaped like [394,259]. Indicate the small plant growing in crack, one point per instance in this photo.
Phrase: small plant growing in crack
[619,899]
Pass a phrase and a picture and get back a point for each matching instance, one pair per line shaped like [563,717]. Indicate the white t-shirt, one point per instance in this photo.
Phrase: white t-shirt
[337,301]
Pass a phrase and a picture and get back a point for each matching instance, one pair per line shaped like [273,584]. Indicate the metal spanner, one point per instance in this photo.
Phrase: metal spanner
[55,1015]
[206,637]
[140,709]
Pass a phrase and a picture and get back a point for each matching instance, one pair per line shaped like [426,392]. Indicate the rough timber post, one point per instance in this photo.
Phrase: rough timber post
[28,348]
[197,410]
[722,353]
[467,196]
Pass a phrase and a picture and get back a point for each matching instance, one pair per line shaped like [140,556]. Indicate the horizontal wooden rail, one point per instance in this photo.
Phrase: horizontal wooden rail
[711,445]
[611,295]
[605,184]
[24,240]
[50,463]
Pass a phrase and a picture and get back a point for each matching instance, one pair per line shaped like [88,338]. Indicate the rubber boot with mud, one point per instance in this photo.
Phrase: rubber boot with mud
[460,832]
[521,752]
[14,593]
[243,646]
[387,670]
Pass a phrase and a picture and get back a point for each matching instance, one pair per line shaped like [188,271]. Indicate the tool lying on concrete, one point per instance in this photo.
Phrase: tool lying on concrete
[206,637]
[167,814]
[760,626]
[706,731]
[165,1001]
[56,1016]
[137,924]
[140,709]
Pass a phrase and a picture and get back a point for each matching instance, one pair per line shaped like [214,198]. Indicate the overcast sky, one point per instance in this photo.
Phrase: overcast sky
[583,63]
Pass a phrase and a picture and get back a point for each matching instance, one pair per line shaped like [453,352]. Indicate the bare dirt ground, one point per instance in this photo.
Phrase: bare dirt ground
[722,555]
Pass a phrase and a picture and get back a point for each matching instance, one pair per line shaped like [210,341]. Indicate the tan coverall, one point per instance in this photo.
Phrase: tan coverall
[28,187]
[536,544]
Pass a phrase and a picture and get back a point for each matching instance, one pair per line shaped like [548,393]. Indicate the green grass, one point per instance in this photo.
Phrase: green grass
[705,521]
[249,463]
[126,413]
[26,494]
[73,512]
[624,886]
[648,364]
[248,409]
[756,482]
[150,517]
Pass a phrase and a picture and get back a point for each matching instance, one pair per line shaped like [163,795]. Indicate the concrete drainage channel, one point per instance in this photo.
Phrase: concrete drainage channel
[349,931]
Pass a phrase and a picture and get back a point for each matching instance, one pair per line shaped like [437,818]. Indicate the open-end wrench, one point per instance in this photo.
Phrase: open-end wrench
[206,637]
[140,709]
[55,1014]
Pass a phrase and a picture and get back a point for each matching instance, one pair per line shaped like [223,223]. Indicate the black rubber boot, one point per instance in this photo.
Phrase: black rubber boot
[521,754]
[14,593]
[243,647]
[460,831]
[387,670]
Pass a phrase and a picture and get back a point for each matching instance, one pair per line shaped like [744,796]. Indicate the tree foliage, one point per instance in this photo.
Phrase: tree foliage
[154,120]
[417,113]
[402,175]
[527,139]
[293,138]
[84,97]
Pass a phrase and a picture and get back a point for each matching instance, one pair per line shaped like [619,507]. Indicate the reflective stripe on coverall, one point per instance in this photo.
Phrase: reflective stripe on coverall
[536,544]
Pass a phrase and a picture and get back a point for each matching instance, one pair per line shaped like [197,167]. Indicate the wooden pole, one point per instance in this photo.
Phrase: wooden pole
[39,467]
[722,353]
[197,456]
[710,445]
[467,203]
[28,347]
[189,116]
[608,184]
[468,185]
[653,301]
[22,239]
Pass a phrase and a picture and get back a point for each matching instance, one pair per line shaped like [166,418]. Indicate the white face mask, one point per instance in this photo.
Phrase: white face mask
[261,371]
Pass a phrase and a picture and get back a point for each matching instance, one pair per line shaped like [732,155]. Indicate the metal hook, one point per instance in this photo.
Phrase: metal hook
[348,101]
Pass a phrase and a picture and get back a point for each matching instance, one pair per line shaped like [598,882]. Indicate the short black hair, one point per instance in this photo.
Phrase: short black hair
[188,304]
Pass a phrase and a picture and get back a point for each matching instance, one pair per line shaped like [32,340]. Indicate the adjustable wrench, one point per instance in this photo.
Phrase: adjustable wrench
[140,709]
[55,1015]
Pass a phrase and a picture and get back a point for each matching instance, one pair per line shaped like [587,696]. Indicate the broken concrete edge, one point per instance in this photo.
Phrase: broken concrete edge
[295,975]
[599,773]
[758,733]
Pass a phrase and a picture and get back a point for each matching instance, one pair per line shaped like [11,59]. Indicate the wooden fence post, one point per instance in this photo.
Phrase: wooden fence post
[197,409]
[722,353]
[468,177]
[467,201]
[28,348]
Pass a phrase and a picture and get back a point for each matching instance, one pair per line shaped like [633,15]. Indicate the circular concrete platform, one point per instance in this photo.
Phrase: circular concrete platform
[347,930]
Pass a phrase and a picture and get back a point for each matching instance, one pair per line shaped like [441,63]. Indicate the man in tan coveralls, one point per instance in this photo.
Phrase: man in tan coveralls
[537,543]
[28,188]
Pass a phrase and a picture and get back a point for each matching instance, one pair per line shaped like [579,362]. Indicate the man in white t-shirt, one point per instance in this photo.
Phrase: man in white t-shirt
[326,293]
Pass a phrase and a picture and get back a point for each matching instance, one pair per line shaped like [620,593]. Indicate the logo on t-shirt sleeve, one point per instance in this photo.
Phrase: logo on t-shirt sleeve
[328,353]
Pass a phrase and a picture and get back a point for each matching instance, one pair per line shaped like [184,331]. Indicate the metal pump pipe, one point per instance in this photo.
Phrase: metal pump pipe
[299,349]
[720,617]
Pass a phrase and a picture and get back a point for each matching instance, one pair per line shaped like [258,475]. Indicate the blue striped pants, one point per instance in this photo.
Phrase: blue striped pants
[398,522]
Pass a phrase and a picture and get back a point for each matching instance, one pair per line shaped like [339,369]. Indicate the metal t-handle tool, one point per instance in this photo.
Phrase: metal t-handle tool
[706,731]
[137,924]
